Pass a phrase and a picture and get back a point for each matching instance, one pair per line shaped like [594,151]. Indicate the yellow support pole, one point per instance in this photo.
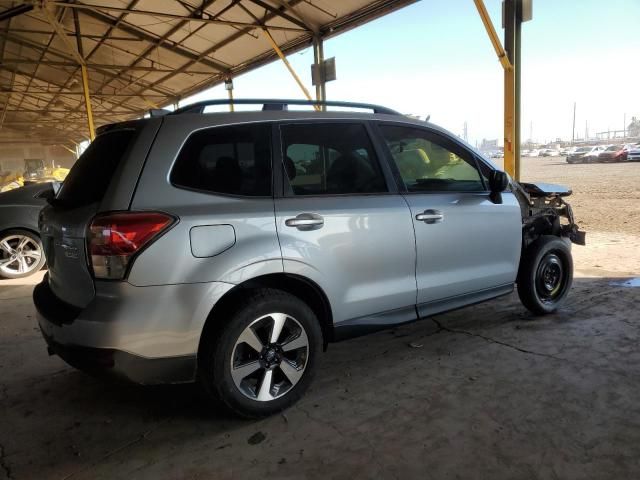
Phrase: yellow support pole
[493,36]
[87,101]
[60,31]
[509,124]
[509,90]
[71,150]
[149,102]
[274,45]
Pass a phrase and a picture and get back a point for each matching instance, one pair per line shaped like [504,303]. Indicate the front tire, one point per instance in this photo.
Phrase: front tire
[262,358]
[545,275]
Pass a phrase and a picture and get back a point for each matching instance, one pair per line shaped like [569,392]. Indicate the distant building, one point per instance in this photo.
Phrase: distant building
[633,130]
[489,144]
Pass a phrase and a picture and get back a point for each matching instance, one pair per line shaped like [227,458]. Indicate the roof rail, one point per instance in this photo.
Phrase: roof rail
[280,104]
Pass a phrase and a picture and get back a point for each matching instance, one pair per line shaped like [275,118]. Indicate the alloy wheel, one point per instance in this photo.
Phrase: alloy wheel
[19,254]
[269,357]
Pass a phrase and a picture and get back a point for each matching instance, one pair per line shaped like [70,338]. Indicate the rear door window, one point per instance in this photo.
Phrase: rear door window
[230,160]
[90,176]
[330,159]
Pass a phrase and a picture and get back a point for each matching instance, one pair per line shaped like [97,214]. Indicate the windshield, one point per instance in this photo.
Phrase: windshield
[583,150]
[613,148]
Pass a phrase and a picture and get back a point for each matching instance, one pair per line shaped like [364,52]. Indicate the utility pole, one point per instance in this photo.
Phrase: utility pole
[586,130]
[624,127]
[573,131]
[464,135]
[228,86]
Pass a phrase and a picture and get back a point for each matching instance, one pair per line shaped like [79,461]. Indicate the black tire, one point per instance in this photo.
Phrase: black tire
[220,345]
[545,275]
[9,237]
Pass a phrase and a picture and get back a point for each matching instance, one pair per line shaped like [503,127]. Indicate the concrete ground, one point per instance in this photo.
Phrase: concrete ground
[487,392]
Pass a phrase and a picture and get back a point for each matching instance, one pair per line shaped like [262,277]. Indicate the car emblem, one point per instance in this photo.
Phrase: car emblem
[69,250]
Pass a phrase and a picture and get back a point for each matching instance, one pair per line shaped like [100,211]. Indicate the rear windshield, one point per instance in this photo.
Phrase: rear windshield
[89,178]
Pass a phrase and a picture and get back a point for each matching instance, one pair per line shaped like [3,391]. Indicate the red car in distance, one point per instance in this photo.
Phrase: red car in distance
[613,153]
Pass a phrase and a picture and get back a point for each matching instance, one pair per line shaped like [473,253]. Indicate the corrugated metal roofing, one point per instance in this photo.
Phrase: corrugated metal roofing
[145,53]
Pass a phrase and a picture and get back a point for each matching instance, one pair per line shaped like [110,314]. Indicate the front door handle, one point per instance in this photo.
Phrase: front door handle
[430,216]
[305,221]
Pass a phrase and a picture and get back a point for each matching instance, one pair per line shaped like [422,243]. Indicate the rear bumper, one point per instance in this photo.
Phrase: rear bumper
[123,365]
[148,335]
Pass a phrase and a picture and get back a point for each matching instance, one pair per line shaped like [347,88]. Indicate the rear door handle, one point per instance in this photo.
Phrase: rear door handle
[305,221]
[430,216]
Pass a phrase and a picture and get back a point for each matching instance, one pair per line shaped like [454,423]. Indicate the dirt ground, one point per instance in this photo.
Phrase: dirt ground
[606,196]
[606,204]
[486,392]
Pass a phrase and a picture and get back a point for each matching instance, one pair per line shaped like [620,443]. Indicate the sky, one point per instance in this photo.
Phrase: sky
[435,58]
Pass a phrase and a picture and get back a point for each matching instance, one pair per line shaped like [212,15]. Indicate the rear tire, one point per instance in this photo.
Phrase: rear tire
[245,364]
[21,254]
[545,275]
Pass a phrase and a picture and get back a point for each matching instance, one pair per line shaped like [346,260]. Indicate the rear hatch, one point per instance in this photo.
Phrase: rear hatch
[64,222]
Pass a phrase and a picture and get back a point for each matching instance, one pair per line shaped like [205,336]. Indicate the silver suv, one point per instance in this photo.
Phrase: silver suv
[230,248]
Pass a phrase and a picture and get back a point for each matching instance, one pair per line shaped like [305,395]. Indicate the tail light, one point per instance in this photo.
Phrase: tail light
[116,238]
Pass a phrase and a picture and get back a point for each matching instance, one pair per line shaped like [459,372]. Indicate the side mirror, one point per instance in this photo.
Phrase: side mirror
[48,194]
[498,181]
[56,187]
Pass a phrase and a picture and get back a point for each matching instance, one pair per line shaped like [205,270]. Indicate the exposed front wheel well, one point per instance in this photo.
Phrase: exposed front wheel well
[304,289]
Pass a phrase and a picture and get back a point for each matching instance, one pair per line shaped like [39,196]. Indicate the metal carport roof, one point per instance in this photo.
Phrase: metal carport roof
[141,54]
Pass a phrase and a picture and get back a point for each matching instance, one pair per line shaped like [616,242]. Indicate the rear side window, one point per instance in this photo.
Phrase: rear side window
[90,176]
[330,159]
[231,160]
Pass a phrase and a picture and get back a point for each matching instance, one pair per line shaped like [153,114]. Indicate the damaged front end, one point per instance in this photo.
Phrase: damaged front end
[545,212]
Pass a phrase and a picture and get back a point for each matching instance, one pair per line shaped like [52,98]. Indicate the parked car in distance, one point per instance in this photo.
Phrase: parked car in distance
[21,252]
[594,154]
[613,153]
[390,220]
[577,155]
[549,152]
[585,154]
[633,153]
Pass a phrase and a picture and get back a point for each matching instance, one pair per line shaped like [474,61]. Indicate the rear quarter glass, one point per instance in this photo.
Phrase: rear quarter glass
[89,178]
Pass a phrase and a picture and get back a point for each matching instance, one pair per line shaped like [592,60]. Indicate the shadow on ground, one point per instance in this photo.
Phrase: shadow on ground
[484,392]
